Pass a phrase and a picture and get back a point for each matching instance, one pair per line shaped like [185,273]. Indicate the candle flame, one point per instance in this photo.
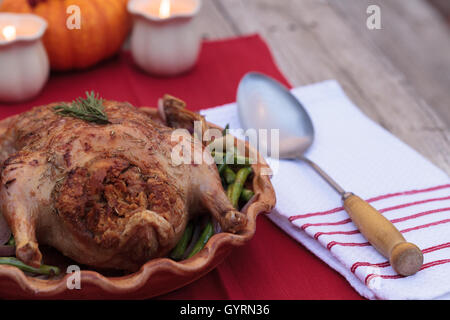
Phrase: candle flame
[164,9]
[9,33]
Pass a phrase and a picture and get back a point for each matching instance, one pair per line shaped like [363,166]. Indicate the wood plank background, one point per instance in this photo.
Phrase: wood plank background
[399,75]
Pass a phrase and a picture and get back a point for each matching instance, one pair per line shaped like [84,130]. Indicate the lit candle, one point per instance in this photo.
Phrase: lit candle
[24,65]
[9,33]
[164,9]
[164,40]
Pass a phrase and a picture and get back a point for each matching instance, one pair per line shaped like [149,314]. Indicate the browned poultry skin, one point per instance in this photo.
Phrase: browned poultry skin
[104,195]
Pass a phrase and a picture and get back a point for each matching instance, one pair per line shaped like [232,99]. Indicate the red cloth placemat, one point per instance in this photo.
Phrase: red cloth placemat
[271,265]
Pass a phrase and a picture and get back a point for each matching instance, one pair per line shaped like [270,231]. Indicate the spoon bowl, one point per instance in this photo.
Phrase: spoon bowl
[266,104]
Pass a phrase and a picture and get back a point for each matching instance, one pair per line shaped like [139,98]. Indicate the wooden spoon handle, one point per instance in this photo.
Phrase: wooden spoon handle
[406,258]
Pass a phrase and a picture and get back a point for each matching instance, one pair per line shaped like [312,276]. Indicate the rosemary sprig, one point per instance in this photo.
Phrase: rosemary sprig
[89,109]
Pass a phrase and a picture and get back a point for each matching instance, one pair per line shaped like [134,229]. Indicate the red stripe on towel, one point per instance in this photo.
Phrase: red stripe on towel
[425,226]
[347,244]
[365,244]
[401,206]
[385,264]
[356,265]
[417,215]
[397,276]
[414,216]
[307,225]
[318,234]
[382,197]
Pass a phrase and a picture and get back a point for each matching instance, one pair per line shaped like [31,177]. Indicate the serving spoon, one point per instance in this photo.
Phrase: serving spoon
[264,103]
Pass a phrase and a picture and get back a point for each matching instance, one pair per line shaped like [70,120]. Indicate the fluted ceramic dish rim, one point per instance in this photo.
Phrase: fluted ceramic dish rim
[264,201]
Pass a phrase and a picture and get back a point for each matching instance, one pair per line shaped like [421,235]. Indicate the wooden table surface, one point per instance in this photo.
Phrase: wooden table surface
[399,75]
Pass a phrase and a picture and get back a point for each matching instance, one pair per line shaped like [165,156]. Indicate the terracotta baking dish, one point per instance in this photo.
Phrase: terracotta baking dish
[156,277]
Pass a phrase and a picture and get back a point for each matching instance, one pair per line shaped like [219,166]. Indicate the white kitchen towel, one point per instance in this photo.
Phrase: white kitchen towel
[369,161]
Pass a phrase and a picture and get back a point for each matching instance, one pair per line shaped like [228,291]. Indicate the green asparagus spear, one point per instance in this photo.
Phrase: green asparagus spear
[229,191]
[238,185]
[229,175]
[221,167]
[43,269]
[203,239]
[178,253]
[237,158]
[246,195]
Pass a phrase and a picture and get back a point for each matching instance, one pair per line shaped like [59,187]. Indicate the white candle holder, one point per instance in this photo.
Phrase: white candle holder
[164,43]
[24,64]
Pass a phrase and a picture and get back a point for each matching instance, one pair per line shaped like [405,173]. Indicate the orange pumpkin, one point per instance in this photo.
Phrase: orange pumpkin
[104,27]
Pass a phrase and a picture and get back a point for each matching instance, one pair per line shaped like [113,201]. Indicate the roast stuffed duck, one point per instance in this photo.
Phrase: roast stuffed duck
[103,190]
